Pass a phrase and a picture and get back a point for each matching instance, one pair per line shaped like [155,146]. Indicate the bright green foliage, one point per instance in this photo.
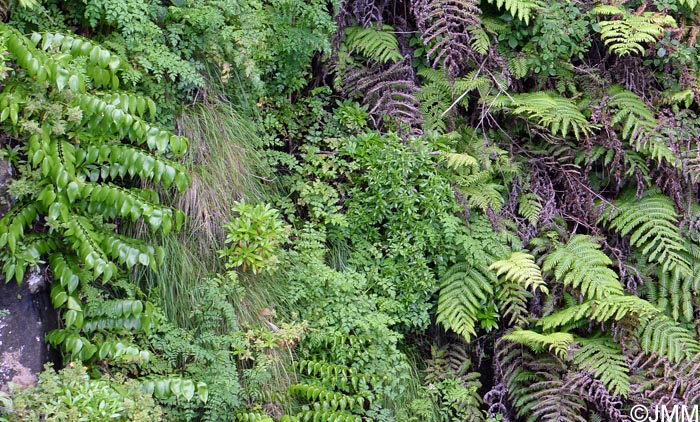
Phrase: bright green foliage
[557,113]
[603,358]
[521,9]
[376,44]
[521,268]
[557,343]
[253,237]
[464,291]
[664,337]
[580,264]
[652,226]
[70,395]
[627,34]
[614,307]
[64,130]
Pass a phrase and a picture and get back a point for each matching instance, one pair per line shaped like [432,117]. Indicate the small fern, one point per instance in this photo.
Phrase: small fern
[530,207]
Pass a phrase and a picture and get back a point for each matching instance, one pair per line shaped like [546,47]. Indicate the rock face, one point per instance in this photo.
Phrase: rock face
[26,316]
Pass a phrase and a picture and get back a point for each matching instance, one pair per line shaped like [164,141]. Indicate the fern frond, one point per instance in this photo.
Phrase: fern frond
[327,416]
[665,337]
[378,45]
[614,308]
[557,343]
[390,91]
[519,9]
[551,110]
[530,207]
[581,264]
[652,224]
[511,299]
[548,401]
[463,294]
[627,34]
[521,268]
[484,196]
[443,26]
[456,161]
[603,358]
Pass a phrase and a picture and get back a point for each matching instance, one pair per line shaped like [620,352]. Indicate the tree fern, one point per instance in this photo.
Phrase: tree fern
[652,226]
[378,45]
[580,264]
[464,291]
[627,34]
[551,110]
[603,358]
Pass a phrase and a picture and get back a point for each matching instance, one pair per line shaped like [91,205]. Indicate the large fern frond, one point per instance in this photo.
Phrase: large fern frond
[664,337]
[464,292]
[652,224]
[581,264]
[548,401]
[627,34]
[444,25]
[551,110]
[615,308]
[378,45]
[390,91]
[603,358]
[557,342]
[637,125]
[521,268]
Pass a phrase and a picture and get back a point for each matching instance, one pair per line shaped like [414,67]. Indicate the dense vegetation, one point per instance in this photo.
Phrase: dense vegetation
[288,210]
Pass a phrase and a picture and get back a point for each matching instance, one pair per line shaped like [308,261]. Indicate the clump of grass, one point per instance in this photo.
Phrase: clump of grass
[224,163]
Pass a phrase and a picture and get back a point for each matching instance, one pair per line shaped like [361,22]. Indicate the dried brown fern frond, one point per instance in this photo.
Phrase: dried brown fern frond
[663,382]
[390,91]
[445,28]
[585,385]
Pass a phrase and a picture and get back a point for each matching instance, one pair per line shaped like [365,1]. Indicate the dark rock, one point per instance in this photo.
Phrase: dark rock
[26,316]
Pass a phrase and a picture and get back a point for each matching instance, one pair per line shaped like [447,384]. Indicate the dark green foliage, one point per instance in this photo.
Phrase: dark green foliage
[468,185]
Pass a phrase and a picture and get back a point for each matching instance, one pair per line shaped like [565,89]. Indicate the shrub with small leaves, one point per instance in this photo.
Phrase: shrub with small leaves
[253,238]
